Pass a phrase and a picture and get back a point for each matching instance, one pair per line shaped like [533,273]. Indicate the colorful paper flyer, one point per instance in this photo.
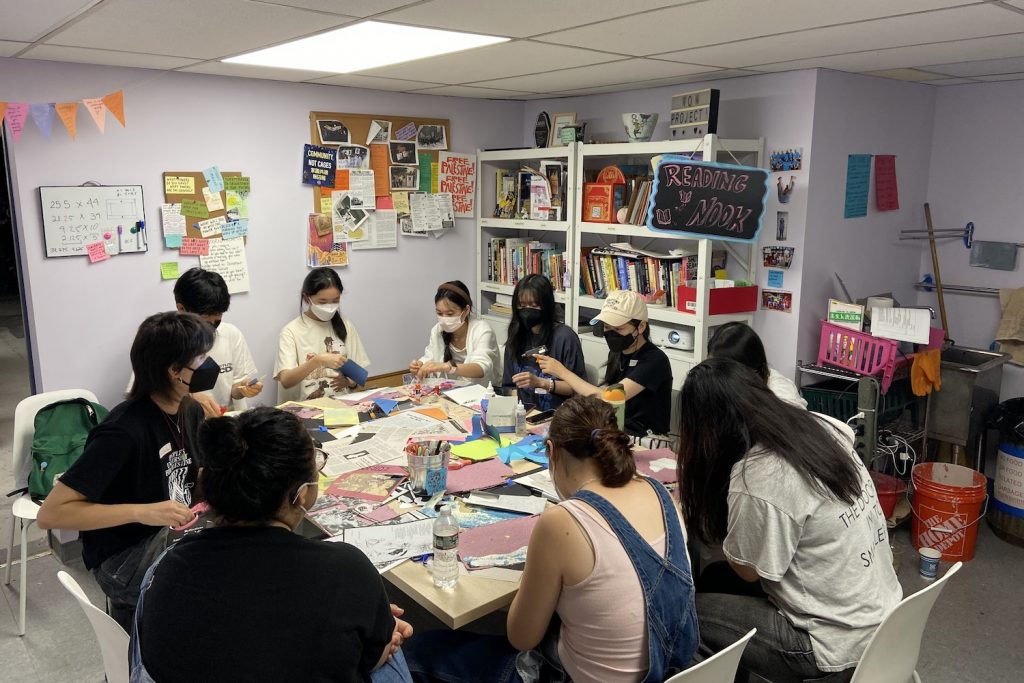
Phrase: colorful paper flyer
[887,194]
[457,175]
[858,178]
[318,165]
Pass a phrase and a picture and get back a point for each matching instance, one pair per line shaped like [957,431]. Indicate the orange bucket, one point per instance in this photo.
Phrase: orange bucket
[947,507]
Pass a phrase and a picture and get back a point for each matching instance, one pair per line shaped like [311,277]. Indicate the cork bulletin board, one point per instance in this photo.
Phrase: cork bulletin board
[180,179]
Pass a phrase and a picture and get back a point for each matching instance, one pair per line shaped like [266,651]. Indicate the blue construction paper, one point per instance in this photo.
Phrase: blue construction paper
[42,114]
[775,279]
[385,404]
[858,178]
[524,449]
[354,371]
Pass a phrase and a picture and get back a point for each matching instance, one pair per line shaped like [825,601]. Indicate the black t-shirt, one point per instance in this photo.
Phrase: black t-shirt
[651,409]
[135,456]
[271,606]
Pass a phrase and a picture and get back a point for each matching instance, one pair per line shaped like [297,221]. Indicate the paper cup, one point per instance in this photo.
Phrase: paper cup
[929,562]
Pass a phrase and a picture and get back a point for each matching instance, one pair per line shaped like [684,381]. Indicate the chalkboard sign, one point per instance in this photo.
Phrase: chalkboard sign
[705,200]
[76,216]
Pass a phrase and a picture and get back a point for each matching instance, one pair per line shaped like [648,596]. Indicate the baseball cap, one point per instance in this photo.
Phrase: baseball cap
[620,307]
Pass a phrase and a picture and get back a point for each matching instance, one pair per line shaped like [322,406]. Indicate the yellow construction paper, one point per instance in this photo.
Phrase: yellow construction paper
[340,417]
[480,449]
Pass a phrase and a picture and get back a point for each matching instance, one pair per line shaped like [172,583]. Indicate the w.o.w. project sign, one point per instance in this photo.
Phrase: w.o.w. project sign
[705,200]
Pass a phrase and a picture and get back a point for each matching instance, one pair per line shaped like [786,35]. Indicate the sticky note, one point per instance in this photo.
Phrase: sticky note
[97,252]
[775,278]
[169,270]
[191,246]
[173,241]
[237,183]
[175,184]
[325,205]
[214,180]
[406,132]
[234,229]
[213,200]
[194,209]
[211,226]
[341,417]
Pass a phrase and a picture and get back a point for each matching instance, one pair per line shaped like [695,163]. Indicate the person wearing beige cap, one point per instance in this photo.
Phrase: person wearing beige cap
[641,367]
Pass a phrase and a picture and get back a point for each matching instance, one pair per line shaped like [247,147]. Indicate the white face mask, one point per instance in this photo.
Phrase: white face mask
[449,323]
[323,312]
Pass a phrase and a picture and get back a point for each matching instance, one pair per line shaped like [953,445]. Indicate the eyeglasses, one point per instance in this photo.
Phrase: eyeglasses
[319,458]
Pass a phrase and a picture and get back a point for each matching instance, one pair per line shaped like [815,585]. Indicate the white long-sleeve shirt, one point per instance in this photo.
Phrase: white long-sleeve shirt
[481,348]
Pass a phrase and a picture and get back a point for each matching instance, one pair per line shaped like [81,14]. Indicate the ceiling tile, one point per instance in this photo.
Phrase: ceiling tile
[1019,4]
[29,21]
[912,75]
[196,28]
[352,8]
[707,77]
[374,83]
[717,21]
[84,55]
[251,71]
[494,61]
[521,18]
[984,67]
[952,81]
[596,75]
[8,48]
[915,55]
[1002,77]
[954,24]
[470,91]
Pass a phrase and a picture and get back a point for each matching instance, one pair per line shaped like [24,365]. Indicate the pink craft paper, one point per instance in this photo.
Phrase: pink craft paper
[479,475]
[395,470]
[382,514]
[645,458]
[498,538]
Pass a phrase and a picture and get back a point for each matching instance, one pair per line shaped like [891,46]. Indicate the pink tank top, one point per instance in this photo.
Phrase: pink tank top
[604,626]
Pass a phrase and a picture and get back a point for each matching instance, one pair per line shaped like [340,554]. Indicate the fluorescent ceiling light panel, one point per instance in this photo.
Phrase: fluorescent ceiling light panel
[365,45]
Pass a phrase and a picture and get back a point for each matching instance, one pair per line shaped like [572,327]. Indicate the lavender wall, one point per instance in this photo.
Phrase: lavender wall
[852,115]
[83,317]
[977,153]
[778,107]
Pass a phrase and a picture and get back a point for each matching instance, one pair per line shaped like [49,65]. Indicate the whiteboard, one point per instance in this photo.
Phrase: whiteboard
[76,216]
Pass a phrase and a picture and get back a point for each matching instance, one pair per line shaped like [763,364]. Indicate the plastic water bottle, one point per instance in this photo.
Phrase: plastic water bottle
[488,395]
[520,420]
[446,549]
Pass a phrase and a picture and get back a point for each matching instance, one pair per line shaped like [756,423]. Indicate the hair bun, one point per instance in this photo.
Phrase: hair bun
[221,443]
[614,456]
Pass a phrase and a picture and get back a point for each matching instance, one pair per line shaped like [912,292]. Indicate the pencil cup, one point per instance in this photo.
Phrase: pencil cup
[428,471]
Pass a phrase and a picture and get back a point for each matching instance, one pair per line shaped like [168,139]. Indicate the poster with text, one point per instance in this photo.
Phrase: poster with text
[457,175]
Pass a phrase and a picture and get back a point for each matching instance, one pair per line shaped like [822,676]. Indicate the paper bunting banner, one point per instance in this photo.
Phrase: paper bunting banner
[3,110]
[115,103]
[42,114]
[98,110]
[68,113]
[15,116]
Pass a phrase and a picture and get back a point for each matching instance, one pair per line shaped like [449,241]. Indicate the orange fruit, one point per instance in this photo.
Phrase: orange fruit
[614,395]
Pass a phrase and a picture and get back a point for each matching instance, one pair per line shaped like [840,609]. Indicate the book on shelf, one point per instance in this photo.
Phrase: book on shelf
[621,267]
[500,309]
[532,193]
[602,201]
[510,259]
[636,181]
[505,193]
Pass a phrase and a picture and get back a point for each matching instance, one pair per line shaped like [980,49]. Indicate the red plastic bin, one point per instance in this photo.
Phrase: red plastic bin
[857,352]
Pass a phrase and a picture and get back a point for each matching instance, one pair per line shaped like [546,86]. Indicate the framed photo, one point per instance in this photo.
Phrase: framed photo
[403,152]
[558,122]
[332,132]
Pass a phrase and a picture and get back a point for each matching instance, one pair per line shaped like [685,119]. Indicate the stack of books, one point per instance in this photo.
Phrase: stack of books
[502,306]
[532,193]
[509,260]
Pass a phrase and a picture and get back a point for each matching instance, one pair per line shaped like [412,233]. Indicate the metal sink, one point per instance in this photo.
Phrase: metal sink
[971,360]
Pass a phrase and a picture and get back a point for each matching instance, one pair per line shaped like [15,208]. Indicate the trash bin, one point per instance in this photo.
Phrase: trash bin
[1006,513]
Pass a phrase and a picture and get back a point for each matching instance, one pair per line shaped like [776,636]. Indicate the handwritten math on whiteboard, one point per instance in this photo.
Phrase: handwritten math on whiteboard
[74,217]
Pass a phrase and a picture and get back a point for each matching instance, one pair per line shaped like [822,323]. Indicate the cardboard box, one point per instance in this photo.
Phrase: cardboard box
[721,300]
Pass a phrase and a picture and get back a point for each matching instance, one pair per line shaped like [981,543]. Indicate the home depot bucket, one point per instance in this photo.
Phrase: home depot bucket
[889,490]
[947,506]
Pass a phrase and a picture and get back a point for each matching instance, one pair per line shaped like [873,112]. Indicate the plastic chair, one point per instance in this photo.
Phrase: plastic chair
[24,509]
[718,668]
[891,654]
[113,639]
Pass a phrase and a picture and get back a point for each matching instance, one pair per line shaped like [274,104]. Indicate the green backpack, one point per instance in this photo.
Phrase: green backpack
[61,429]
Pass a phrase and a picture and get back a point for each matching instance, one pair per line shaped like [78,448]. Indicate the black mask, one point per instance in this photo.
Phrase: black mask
[216,323]
[530,316]
[619,342]
[204,377]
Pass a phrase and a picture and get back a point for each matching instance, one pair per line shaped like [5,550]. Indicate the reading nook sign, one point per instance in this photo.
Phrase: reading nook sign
[705,200]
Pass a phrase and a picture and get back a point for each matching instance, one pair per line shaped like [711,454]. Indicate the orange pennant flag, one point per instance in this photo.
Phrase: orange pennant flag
[68,113]
[97,110]
[115,103]
[3,110]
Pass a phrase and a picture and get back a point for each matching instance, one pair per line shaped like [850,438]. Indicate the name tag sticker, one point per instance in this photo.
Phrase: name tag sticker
[165,449]
[633,363]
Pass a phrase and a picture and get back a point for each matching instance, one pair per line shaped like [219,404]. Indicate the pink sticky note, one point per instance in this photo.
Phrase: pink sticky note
[193,246]
[385,203]
[97,252]
[479,475]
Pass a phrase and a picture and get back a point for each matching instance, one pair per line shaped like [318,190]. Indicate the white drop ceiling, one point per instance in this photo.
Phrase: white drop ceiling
[558,47]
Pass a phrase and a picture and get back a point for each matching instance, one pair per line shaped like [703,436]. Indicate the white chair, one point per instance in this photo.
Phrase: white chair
[891,654]
[24,509]
[720,668]
[113,639]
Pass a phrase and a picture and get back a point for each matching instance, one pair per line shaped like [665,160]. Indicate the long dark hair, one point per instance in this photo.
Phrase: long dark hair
[725,411]
[585,427]
[456,292]
[253,463]
[520,337]
[319,279]
[614,372]
[738,341]
[165,341]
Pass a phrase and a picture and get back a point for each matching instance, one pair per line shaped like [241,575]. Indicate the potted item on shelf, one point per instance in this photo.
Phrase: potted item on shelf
[639,127]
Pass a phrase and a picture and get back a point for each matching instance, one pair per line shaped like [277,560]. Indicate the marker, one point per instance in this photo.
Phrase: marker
[142,229]
[120,242]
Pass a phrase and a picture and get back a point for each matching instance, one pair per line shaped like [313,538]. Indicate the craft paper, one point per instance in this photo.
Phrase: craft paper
[406,132]
[341,417]
[173,241]
[68,113]
[386,404]
[15,117]
[227,257]
[473,516]
[381,230]
[480,475]
[42,114]
[3,110]
[214,180]
[97,251]
[379,161]
[169,270]
[658,464]
[530,505]
[115,103]
[212,199]
[457,175]
[424,164]
[392,542]
[194,209]
[365,485]
[237,183]
[433,177]
[887,195]
[192,246]
[385,203]
[234,229]
[522,449]
[211,226]
[180,184]
[354,372]
[97,110]
[382,514]
[540,481]
[500,544]
[237,204]
[858,176]
[318,165]
[775,278]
